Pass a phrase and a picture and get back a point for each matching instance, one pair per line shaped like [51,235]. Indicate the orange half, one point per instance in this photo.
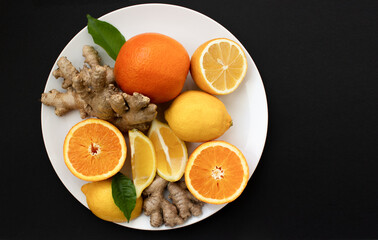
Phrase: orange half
[94,150]
[217,172]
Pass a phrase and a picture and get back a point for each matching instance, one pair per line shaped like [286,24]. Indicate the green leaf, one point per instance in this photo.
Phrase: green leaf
[106,35]
[124,194]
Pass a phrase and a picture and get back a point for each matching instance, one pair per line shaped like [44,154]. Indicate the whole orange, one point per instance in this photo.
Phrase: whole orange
[152,64]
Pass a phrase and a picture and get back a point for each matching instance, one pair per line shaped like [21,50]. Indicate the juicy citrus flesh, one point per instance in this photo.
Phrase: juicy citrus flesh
[100,201]
[143,160]
[171,152]
[219,66]
[94,150]
[217,172]
[152,64]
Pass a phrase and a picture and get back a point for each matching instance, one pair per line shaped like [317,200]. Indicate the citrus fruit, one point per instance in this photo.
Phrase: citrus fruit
[100,202]
[152,64]
[171,152]
[218,66]
[143,160]
[217,172]
[94,150]
[196,116]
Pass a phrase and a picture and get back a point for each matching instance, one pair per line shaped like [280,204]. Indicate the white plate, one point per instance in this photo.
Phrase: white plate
[247,105]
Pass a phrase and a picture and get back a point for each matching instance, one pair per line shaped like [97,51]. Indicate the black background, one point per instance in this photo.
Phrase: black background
[317,177]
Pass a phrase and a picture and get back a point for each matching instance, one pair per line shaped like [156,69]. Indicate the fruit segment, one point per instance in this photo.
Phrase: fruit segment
[171,152]
[143,160]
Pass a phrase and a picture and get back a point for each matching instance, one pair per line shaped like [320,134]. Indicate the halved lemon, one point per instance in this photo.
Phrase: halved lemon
[218,66]
[94,150]
[143,160]
[171,152]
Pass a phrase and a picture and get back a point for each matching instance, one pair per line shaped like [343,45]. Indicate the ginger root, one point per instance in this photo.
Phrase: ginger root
[93,92]
[162,211]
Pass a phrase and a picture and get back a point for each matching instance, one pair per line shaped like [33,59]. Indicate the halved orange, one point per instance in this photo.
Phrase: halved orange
[218,66]
[94,150]
[217,172]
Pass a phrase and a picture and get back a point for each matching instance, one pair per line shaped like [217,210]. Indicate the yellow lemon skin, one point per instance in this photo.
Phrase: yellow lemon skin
[196,72]
[196,116]
[100,202]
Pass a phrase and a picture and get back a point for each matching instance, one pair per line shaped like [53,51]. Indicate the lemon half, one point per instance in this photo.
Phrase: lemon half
[219,66]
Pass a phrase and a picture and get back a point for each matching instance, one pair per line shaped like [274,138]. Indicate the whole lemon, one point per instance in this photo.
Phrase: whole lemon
[196,116]
[100,202]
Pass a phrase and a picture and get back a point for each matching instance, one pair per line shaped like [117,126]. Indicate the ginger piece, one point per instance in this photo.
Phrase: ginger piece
[162,211]
[157,207]
[67,71]
[93,92]
[185,202]
[67,101]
